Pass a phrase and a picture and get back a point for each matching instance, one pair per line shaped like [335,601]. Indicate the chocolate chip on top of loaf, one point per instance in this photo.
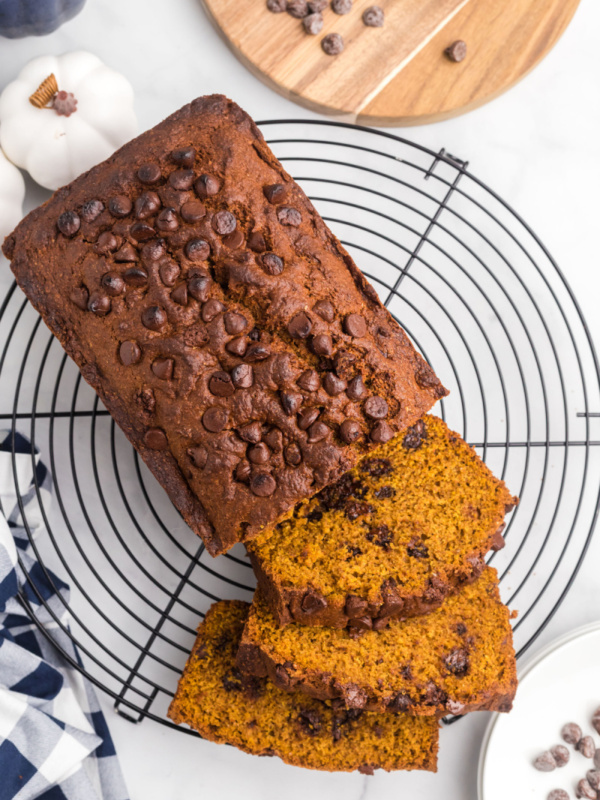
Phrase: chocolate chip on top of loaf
[222,324]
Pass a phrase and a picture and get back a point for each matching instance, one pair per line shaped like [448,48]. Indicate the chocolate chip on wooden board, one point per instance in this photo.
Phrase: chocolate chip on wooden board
[457,51]
[332,44]
[373,17]
[313,23]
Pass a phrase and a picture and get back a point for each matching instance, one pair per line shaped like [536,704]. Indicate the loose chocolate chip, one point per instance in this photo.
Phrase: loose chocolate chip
[309,380]
[257,352]
[224,223]
[381,432]
[289,216]
[332,44]
[317,432]
[129,353]
[91,210]
[169,272]
[242,376]
[341,6]
[297,8]
[251,432]
[313,602]
[376,408]
[156,439]
[126,254]
[167,220]
[558,794]
[113,283]
[586,747]
[596,720]
[585,790]
[142,232]
[593,777]
[234,322]
[276,192]
[215,419]
[68,223]
[149,173]
[107,242]
[271,263]
[333,385]
[349,431]
[163,368]
[571,733]
[457,51]
[292,454]
[373,17]
[199,287]
[181,180]
[259,453]
[597,759]
[154,318]
[193,211]
[299,326]
[256,242]
[276,6]
[262,485]
[80,297]
[197,250]
[220,384]
[325,310]
[211,309]
[291,402]
[184,157]
[306,417]
[135,276]
[274,439]
[153,250]
[235,240]
[355,607]
[322,345]
[457,662]
[207,186]
[315,6]
[237,347]
[99,303]
[355,326]
[120,206]
[356,389]
[313,24]
[146,205]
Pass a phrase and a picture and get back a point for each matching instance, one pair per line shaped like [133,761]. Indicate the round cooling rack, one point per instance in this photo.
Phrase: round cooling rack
[483,301]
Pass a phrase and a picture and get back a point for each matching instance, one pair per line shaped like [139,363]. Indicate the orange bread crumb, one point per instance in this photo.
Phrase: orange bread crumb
[459,658]
[253,715]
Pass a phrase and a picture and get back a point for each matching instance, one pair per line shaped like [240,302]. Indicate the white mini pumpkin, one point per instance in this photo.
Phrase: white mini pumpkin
[90,118]
[12,193]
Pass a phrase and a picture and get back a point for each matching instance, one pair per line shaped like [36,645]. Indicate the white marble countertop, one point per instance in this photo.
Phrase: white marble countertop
[537,146]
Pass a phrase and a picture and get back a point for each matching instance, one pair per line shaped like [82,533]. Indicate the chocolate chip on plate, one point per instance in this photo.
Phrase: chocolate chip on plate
[374,17]
[585,790]
[341,6]
[313,24]
[571,733]
[561,755]
[558,794]
[457,51]
[586,747]
[596,720]
[593,778]
[545,762]
[597,759]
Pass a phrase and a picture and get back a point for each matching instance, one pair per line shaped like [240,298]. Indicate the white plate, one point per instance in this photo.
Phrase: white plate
[561,684]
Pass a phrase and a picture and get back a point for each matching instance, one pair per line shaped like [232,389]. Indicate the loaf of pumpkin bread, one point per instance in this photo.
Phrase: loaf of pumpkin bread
[223,325]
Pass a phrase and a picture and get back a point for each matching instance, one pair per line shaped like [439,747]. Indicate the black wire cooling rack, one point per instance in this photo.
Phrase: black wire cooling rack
[484,302]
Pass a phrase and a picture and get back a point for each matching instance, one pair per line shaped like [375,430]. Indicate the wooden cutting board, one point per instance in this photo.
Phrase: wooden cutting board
[398,74]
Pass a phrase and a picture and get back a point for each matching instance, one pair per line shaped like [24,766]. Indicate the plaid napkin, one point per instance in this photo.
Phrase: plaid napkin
[54,742]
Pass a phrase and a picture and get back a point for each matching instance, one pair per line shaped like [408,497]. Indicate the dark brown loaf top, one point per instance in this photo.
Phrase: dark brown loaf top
[222,324]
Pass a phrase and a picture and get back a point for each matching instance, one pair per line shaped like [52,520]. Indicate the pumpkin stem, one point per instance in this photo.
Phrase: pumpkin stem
[45,92]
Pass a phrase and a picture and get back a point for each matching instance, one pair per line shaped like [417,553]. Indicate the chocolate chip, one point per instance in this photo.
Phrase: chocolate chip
[271,263]
[341,6]
[80,297]
[313,24]
[242,376]
[91,210]
[299,326]
[356,389]
[586,747]
[256,242]
[355,607]
[146,205]
[220,384]
[169,272]
[211,309]
[417,548]
[153,250]
[380,623]
[193,211]
[154,318]
[317,432]
[585,790]
[197,250]
[545,762]
[360,624]
[315,6]
[235,240]
[291,402]
[297,8]
[262,485]
[156,439]
[373,17]
[385,492]
[560,755]
[106,243]
[571,733]
[332,44]
[457,51]
[292,454]
[325,310]
[309,380]
[376,467]
[100,304]
[313,602]
[259,453]
[242,472]
[237,347]
[198,456]
[276,6]
[289,216]
[163,368]
[376,407]
[310,722]
[184,157]
[457,661]
[349,431]
[126,254]
[355,326]
[257,352]
[381,432]
[276,192]
[306,417]
[333,385]
[282,679]
[68,223]
[234,322]
[181,180]
[129,353]
[120,206]
[413,439]
[224,223]
[135,276]
[251,432]
[207,186]
[113,283]
[167,220]
[274,439]
[322,345]
[149,173]
[199,287]
[400,703]
[215,419]
[593,776]
[142,232]
[558,794]
[597,759]
[596,720]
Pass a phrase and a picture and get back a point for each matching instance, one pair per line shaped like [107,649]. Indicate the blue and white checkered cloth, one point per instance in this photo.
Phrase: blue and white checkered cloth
[54,742]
